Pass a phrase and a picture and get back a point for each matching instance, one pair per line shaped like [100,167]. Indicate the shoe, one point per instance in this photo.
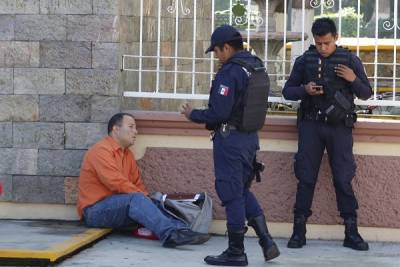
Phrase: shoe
[234,255]
[268,246]
[298,238]
[178,238]
[353,238]
[198,238]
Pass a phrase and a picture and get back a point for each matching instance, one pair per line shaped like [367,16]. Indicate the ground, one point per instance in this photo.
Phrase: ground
[121,250]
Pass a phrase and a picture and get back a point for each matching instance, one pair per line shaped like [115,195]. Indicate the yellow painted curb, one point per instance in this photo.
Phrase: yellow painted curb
[57,251]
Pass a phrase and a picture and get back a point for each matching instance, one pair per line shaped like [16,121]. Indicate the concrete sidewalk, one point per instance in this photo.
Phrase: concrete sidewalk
[122,250]
[54,240]
[43,242]
[36,235]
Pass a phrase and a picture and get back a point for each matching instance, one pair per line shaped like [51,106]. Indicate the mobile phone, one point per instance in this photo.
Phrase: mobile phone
[317,87]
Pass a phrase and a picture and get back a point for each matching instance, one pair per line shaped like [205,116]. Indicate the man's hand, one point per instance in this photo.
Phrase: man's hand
[186,109]
[313,89]
[345,72]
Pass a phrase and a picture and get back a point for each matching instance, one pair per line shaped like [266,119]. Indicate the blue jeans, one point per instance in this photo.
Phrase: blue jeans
[126,209]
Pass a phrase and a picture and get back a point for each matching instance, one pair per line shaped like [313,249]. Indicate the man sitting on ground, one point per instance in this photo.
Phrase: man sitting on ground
[112,193]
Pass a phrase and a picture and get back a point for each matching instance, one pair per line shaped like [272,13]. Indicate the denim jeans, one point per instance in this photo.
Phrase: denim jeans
[125,209]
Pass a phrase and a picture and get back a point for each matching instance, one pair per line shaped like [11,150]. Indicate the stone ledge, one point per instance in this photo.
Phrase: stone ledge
[275,127]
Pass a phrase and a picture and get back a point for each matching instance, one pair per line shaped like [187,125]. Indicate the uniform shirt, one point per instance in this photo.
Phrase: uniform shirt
[107,169]
[294,87]
[225,91]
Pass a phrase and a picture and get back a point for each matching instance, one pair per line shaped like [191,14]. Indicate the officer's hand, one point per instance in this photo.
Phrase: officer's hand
[311,89]
[345,72]
[186,109]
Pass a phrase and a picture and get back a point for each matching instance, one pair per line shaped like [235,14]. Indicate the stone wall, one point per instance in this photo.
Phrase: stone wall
[59,84]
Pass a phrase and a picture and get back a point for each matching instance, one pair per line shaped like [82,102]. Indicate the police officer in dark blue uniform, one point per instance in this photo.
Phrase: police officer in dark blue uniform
[326,78]
[234,150]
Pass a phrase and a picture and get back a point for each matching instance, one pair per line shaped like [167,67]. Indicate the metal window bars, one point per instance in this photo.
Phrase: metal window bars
[256,19]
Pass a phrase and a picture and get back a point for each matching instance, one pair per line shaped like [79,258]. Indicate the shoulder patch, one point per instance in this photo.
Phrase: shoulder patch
[223,90]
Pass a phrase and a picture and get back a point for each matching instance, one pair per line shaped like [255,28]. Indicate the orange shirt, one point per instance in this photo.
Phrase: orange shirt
[106,170]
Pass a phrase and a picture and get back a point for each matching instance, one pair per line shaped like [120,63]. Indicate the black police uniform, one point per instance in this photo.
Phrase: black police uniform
[234,153]
[325,121]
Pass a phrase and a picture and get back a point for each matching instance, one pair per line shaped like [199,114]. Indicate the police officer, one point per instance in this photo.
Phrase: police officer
[234,150]
[326,78]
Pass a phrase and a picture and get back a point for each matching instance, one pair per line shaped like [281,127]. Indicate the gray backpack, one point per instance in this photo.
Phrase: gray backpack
[196,212]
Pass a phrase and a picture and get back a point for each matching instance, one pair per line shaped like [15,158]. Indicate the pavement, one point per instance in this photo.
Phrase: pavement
[36,235]
[122,249]
[42,243]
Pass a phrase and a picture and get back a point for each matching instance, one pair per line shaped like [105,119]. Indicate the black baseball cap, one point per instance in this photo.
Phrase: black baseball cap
[223,34]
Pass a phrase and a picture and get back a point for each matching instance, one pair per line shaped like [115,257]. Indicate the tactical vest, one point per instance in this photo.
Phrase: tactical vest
[250,108]
[337,102]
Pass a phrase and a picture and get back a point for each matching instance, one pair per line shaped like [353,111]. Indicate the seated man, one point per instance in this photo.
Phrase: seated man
[112,193]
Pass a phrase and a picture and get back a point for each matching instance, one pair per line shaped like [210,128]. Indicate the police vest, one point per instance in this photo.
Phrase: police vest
[250,109]
[337,102]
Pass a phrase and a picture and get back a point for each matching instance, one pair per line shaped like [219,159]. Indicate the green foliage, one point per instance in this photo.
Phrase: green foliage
[349,21]
[221,5]
[349,24]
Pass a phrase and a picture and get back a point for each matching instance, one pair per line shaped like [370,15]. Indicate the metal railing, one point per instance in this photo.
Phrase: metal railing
[254,17]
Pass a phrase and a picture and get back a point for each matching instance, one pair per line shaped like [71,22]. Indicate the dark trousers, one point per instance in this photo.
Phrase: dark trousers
[314,138]
[233,164]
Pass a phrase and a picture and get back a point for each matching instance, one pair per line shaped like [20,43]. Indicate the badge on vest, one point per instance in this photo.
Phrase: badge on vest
[223,90]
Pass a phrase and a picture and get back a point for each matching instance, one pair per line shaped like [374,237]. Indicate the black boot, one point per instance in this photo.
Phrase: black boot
[298,238]
[269,247]
[234,255]
[352,238]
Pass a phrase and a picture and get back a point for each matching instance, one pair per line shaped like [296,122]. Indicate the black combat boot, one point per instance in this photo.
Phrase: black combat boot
[298,239]
[269,247]
[352,238]
[234,255]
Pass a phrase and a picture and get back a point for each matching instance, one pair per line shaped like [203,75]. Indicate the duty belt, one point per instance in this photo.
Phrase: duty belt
[315,116]
[226,126]
[224,129]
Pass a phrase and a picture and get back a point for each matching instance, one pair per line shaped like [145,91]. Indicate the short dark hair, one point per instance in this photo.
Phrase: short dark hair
[237,44]
[117,120]
[323,26]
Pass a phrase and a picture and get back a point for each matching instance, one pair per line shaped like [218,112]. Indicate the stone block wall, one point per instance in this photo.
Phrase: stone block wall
[59,85]
[60,82]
